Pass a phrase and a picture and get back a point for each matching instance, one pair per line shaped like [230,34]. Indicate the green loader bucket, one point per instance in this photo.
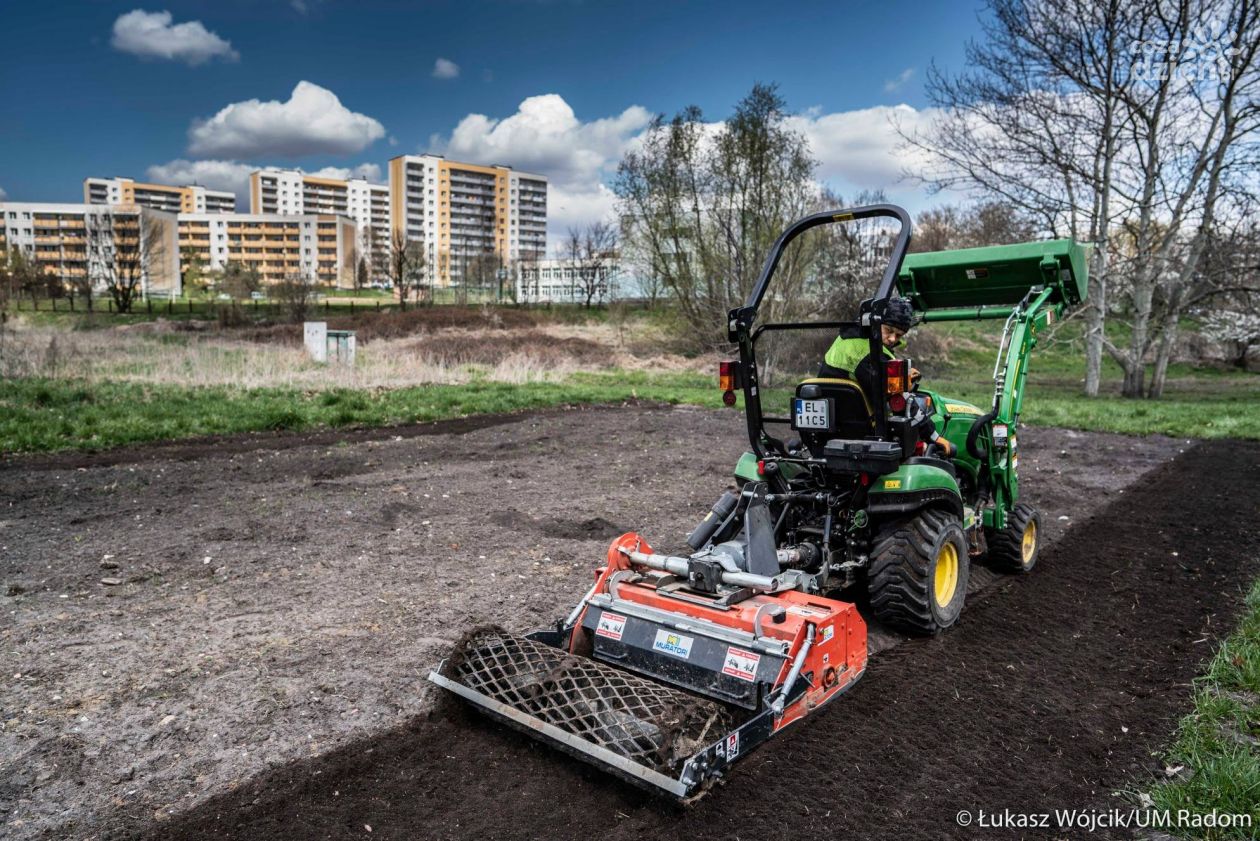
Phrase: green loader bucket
[966,283]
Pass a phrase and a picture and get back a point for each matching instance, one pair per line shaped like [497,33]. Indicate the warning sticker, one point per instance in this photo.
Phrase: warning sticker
[741,664]
[732,746]
[611,625]
[675,644]
[828,632]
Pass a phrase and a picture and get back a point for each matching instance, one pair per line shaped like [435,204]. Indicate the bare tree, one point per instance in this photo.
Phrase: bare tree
[985,223]
[701,209]
[133,257]
[406,265]
[296,294]
[350,266]
[591,250]
[239,280]
[484,271]
[1109,122]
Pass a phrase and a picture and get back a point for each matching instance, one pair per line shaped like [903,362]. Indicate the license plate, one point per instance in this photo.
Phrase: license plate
[811,414]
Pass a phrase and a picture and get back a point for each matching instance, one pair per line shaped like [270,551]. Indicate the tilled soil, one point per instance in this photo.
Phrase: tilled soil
[182,622]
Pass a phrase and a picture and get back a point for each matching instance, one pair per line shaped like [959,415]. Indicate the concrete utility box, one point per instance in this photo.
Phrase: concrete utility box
[326,345]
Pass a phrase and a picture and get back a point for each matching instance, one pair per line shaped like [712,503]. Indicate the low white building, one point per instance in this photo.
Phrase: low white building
[567,281]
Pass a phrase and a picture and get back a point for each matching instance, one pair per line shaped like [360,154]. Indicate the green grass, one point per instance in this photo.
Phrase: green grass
[44,415]
[1218,744]
[1198,402]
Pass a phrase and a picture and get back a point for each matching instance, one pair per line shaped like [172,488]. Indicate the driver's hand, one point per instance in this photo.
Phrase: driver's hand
[915,375]
[947,446]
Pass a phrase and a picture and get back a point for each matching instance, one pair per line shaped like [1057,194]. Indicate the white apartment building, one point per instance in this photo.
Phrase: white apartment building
[191,198]
[292,192]
[82,243]
[459,213]
[309,246]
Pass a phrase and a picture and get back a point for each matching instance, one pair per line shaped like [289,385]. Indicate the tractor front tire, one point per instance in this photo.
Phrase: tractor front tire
[1014,549]
[918,573]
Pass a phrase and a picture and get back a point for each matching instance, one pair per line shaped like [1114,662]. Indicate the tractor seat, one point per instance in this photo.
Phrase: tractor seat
[849,412]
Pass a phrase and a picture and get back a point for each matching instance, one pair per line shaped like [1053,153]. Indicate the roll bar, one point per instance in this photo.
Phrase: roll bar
[741,319]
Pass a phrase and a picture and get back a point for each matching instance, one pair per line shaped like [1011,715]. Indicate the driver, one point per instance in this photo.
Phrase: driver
[849,357]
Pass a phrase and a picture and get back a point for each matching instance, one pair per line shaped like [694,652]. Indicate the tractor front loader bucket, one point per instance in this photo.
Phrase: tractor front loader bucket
[647,733]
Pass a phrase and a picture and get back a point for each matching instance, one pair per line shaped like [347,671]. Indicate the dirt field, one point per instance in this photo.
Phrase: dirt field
[186,617]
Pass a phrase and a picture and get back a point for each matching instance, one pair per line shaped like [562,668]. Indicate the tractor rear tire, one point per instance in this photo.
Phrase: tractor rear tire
[1015,548]
[918,573]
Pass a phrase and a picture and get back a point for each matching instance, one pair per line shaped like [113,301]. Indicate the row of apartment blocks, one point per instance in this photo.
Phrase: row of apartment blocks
[79,241]
[454,213]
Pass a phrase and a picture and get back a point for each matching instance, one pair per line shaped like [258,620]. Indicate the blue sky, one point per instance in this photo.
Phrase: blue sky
[208,91]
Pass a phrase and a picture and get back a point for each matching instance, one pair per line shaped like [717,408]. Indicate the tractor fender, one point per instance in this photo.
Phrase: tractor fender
[977,450]
[746,469]
[915,486]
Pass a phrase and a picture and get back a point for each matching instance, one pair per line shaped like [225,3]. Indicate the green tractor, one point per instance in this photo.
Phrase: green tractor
[852,496]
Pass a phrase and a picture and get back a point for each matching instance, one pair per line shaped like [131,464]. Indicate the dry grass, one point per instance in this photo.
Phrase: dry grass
[170,353]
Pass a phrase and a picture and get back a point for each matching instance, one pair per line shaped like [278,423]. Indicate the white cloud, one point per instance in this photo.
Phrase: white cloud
[368,172]
[312,121]
[152,35]
[444,68]
[856,150]
[217,175]
[545,136]
[902,77]
[862,150]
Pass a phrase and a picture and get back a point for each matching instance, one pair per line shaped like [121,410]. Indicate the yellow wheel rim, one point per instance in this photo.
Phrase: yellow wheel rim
[946,574]
[1030,541]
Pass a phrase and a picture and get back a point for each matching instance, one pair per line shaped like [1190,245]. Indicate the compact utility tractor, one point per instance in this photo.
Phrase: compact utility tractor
[673,666]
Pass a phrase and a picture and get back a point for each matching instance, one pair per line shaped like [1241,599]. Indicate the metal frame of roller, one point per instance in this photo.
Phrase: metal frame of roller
[771,653]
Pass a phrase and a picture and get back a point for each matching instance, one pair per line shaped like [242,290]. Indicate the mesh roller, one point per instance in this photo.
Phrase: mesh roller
[646,722]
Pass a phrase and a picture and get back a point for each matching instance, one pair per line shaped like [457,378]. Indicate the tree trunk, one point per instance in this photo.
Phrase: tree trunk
[1163,355]
[1095,321]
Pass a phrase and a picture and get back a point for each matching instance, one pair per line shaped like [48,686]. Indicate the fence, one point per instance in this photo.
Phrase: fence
[209,308]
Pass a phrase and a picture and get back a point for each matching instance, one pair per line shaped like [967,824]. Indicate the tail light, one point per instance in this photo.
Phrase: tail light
[898,376]
[729,380]
[897,402]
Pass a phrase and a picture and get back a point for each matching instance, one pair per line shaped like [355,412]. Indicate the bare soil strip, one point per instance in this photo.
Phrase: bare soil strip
[183,618]
[1054,691]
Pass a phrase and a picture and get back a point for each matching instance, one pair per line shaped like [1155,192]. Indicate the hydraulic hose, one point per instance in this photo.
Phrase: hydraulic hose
[974,447]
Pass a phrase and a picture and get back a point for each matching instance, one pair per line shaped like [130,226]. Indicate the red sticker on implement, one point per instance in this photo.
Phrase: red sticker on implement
[741,664]
[611,625]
